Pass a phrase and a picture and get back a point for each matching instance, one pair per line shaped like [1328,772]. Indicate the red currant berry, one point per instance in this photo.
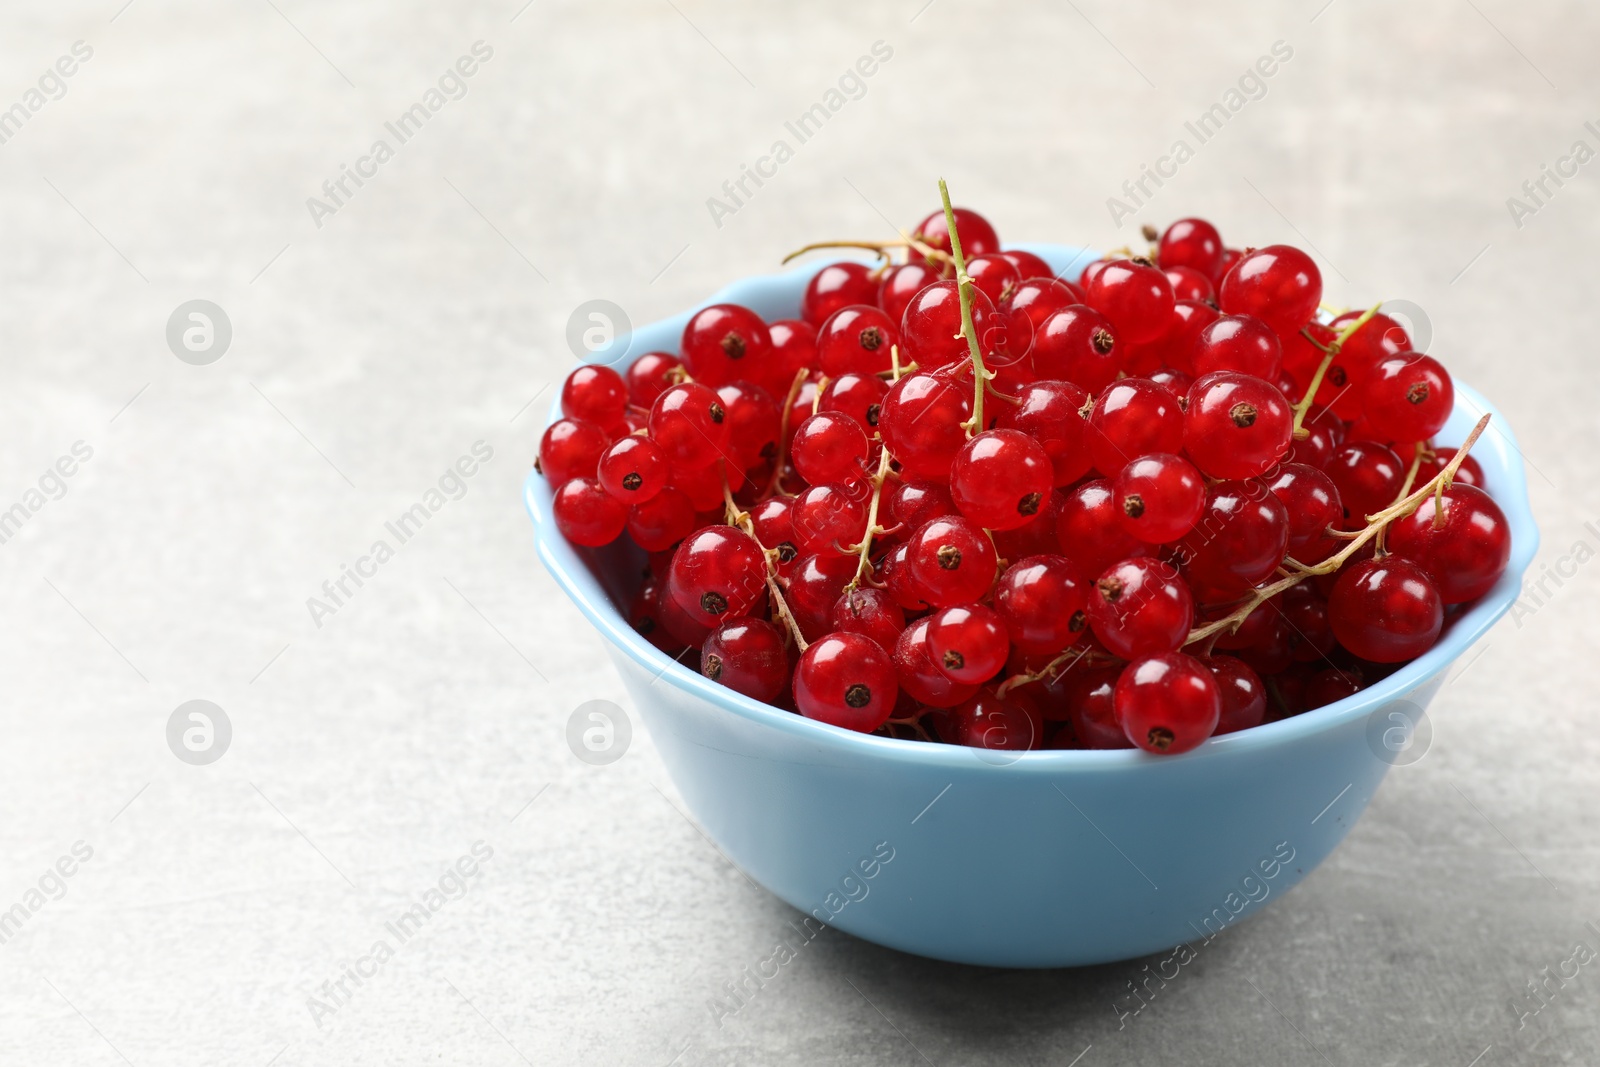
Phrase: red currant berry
[1376,340]
[902,283]
[1188,283]
[719,573]
[994,274]
[1305,612]
[723,339]
[1192,243]
[1159,497]
[1279,285]
[1077,344]
[1238,343]
[846,680]
[1469,473]
[794,348]
[1175,381]
[644,615]
[1132,418]
[1090,531]
[749,657]
[813,586]
[690,424]
[1036,299]
[1175,348]
[919,678]
[1140,607]
[1331,685]
[931,330]
[1001,478]
[1029,266]
[633,469]
[1243,696]
[571,448]
[856,340]
[596,394]
[1368,476]
[1239,540]
[588,515]
[770,521]
[1052,413]
[1041,600]
[1035,537]
[858,395]
[1312,501]
[1235,425]
[1000,723]
[1407,398]
[921,424]
[1465,552]
[651,375]
[1091,707]
[1167,703]
[662,521]
[679,624]
[836,286]
[1135,296]
[870,612]
[1386,610]
[895,573]
[702,485]
[829,447]
[829,518]
[952,561]
[753,423]
[968,642]
[1323,436]
[977,235]
[910,504]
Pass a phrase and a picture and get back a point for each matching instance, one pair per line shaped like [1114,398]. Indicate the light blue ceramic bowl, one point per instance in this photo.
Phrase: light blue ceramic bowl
[1041,859]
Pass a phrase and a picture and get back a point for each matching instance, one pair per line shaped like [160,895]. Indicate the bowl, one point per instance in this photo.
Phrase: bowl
[1032,859]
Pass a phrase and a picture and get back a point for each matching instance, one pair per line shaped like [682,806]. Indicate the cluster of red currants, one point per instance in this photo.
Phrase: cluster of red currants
[963,499]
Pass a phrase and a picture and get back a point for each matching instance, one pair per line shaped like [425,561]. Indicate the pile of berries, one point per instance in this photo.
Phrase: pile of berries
[962,499]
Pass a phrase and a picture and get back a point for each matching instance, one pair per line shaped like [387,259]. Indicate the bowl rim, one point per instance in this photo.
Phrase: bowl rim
[572,574]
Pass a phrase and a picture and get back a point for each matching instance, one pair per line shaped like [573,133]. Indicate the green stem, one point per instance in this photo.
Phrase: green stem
[965,288]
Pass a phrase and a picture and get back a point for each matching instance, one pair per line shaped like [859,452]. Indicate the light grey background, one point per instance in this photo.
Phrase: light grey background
[368,354]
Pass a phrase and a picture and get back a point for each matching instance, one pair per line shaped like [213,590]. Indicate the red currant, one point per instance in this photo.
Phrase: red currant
[1077,344]
[662,521]
[1192,243]
[1000,478]
[921,423]
[1133,417]
[1052,413]
[749,657]
[1279,285]
[977,235]
[650,375]
[718,573]
[571,448]
[919,677]
[1243,696]
[1368,476]
[1188,283]
[1091,707]
[723,339]
[588,515]
[870,612]
[1464,553]
[1135,296]
[1235,425]
[1090,531]
[1139,607]
[633,469]
[690,424]
[902,283]
[1167,703]
[856,340]
[1041,600]
[1001,723]
[1386,610]
[829,447]
[1238,542]
[1407,398]
[596,394]
[846,680]
[931,329]
[1159,497]
[952,561]
[836,286]
[1238,343]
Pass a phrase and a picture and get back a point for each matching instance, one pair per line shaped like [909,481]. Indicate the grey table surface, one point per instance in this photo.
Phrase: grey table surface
[378,340]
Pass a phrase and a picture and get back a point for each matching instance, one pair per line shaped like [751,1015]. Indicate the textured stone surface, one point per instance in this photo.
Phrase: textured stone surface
[370,353]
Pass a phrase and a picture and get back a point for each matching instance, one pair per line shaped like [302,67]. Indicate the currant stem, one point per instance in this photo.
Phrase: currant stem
[737,517]
[880,248]
[865,548]
[1054,669]
[1376,524]
[965,288]
[1329,353]
[800,377]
